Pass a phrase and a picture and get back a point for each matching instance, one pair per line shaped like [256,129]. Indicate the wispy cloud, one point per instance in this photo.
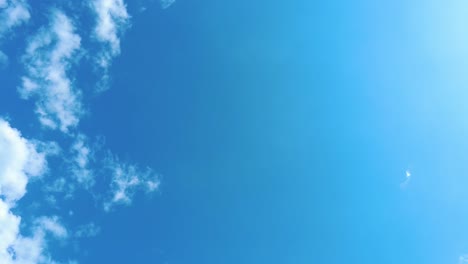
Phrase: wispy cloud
[88,230]
[112,19]
[12,14]
[166,3]
[82,154]
[33,249]
[3,60]
[49,56]
[126,180]
[52,225]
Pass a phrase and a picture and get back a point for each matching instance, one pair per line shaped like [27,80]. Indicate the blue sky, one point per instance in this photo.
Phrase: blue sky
[233,132]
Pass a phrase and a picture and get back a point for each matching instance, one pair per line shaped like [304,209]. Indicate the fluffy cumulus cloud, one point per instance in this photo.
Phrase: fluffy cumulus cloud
[9,231]
[49,56]
[126,180]
[19,162]
[112,19]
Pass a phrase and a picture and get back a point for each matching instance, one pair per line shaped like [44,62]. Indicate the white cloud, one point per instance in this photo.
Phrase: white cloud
[9,231]
[49,56]
[80,162]
[167,3]
[13,13]
[126,180]
[19,161]
[33,249]
[51,225]
[112,19]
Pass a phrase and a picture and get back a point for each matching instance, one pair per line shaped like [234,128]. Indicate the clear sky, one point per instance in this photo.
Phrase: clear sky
[210,131]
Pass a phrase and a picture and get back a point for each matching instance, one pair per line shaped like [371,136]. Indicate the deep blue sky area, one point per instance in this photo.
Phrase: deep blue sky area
[284,132]
[228,110]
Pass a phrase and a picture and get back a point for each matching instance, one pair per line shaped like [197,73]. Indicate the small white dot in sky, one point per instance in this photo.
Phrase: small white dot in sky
[408,174]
